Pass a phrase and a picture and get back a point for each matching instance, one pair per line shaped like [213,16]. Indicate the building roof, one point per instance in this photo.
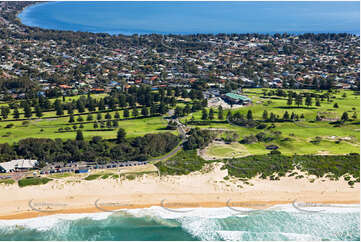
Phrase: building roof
[22,164]
[237,96]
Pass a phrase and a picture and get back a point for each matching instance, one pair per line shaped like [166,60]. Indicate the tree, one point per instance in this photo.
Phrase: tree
[60,110]
[79,135]
[344,116]
[354,116]
[5,112]
[126,113]
[220,112]
[308,101]
[80,106]
[187,109]
[95,125]
[145,111]
[204,114]
[299,100]
[27,111]
[135,112]
[293,116]
[70,108]
[109,123]
[101,104]
[178,112]
[265,115]
[289,100]
[318,103]
[115,123]
[249,115]
[99,116]
[80,119]
[121,135]
[272,117]
[16,113]
[89,117]
[117,115]
[153,109]
[335,105]
[229,115]
[286,116]
[108,116]
[38,111]
[71,119]
[162,108]
[211,114]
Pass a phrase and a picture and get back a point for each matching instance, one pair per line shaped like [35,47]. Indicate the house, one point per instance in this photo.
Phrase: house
[82,170]
[236,98]
[15,165]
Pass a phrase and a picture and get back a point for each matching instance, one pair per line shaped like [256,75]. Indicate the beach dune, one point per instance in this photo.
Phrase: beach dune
[199,189]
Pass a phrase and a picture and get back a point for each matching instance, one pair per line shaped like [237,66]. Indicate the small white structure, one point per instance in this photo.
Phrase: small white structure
[21,164]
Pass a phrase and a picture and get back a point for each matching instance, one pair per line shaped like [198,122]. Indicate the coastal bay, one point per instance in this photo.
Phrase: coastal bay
[195,17]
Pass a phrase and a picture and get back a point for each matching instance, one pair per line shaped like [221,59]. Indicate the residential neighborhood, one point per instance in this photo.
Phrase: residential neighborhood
[101,63]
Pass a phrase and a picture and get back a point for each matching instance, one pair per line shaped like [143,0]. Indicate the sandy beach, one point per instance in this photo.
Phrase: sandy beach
[199,189]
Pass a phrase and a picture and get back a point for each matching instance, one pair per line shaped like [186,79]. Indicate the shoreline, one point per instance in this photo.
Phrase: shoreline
[94,210]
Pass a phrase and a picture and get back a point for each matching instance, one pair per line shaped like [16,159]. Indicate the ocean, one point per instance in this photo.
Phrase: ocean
[196,17]
[282,222]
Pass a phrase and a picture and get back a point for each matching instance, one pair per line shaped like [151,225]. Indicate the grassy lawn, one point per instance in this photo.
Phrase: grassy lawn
[48,128]
[295,138]
[220,151]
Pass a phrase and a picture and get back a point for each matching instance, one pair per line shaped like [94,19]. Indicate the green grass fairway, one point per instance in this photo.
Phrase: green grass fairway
[48,128]
[300,133]
[221,151]
[293,138]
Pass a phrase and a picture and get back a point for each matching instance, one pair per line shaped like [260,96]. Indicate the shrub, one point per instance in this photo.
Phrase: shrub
[8,126]
[261,126]
[7,181]
[249,139]
[92,177]
[275,152]
[130,177]
[33,181]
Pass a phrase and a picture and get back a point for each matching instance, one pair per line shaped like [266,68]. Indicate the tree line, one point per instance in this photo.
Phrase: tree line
[97,149]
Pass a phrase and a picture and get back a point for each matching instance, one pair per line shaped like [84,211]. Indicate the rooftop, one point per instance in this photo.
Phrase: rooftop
[11,165]
[237,96]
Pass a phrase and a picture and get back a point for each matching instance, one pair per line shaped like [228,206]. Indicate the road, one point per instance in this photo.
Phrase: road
[174,151]
[181,128]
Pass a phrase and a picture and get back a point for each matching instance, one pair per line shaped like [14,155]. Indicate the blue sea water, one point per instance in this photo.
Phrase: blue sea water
[196,17]
[156,223]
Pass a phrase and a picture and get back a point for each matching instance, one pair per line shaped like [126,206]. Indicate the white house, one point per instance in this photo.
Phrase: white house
[18,165]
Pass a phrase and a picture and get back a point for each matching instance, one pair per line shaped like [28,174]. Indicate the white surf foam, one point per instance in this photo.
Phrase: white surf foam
[242,235]
[316,207]
[48,222]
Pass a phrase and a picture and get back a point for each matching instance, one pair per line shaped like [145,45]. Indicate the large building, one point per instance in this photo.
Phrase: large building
[235,98]
[16,165]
